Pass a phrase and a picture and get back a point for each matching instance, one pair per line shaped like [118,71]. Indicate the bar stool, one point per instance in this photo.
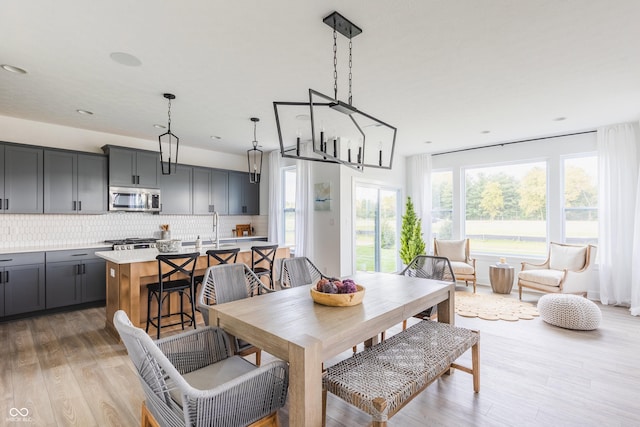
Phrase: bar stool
[260,255]
[223,256]
[166,285]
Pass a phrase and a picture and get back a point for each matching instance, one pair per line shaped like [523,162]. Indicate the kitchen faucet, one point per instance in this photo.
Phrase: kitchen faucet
[215,230]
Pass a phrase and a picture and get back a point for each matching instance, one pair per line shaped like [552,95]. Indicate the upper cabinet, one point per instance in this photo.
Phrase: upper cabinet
[21,183]
[133,168]
[244,197]
[210,191]
[74,182]
[176,190]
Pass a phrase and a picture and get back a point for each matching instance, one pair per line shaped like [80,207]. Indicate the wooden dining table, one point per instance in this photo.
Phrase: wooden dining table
[290,326]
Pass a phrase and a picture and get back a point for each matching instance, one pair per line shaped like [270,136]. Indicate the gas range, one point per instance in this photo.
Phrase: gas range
[132,243]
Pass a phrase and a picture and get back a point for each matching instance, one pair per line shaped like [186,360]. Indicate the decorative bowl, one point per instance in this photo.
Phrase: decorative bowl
[164,246]
[338,300]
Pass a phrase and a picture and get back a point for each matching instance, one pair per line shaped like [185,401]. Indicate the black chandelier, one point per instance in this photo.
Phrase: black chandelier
[339,132]
[254,157]
[170,141]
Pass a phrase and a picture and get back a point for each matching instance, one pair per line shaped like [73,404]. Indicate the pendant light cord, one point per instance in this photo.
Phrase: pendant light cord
[169,115]
[335,63]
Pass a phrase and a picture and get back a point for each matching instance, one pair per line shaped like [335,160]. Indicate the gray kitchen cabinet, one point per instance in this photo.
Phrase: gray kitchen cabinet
[133,168]
[244,197]
[74,277]
[74,182]
[21,183]
[22,282]
[176,190]
[210,191]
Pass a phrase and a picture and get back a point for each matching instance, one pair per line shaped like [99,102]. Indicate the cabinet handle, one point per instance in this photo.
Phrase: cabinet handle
[0,204]
[79,254]
[6,260]
[74,206]
[133,179]
[80,205]
[137,179]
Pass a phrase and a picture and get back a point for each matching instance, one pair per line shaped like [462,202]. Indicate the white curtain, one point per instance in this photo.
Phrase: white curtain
[304,207]
[618,215]
[275,199]
[419,189]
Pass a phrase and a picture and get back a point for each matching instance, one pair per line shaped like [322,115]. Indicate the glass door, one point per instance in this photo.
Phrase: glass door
[376,228]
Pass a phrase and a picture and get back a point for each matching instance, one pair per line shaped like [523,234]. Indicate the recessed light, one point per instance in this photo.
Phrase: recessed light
[559,119]
[486,131]
[159,126]
[304,117]
[85,112]
[12,69]
[127,59]
[428,142]
[216,137]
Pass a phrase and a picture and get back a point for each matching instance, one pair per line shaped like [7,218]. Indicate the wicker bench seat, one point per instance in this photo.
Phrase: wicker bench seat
[381,379]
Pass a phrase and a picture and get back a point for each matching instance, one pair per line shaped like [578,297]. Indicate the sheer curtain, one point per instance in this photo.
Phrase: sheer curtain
[619,222]
[275,199]
[419,189]
[304,208]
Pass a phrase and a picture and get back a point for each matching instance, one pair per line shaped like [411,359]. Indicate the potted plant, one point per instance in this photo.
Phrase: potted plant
[411,241]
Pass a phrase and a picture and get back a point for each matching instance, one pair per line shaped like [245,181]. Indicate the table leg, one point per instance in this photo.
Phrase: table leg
[446,309]
[305,382]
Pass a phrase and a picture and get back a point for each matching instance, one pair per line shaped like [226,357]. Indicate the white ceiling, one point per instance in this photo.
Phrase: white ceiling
[440,71]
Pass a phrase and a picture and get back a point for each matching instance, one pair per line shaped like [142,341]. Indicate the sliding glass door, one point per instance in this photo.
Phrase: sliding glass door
[376,228]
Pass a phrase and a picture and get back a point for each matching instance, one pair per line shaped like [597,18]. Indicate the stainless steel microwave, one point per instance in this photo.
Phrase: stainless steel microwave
[134,199]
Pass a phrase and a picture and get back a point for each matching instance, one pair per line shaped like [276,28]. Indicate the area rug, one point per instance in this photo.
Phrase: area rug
[494,307]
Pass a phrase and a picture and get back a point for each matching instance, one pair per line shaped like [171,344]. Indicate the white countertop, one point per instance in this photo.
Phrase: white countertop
[145,255]
[71,247]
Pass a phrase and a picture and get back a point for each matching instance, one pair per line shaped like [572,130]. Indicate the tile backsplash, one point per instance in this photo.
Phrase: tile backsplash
[18,230]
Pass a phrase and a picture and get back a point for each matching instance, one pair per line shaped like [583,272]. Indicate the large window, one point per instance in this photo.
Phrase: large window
[376,228]
[581,199]
[289,205]
[441,205]
[506,208]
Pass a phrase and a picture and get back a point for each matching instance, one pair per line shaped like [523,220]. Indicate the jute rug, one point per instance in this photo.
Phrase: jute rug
[494,307]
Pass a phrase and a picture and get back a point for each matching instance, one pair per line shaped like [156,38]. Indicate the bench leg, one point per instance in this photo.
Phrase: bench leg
[324,406]
[475,365]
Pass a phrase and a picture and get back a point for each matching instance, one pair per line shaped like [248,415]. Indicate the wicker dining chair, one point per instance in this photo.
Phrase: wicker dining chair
[299,271]
[428,267]
[230,282]
[192,379]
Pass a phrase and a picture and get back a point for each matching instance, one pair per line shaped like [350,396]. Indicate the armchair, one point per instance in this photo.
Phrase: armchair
[568,269]
[192,379]
[457,251]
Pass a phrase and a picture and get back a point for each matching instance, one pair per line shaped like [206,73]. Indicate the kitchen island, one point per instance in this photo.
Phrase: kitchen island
[128,272]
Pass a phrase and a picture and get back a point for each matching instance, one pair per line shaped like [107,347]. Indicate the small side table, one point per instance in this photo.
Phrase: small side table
[501,279]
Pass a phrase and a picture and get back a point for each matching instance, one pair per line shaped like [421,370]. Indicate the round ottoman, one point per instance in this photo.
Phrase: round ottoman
[569,311]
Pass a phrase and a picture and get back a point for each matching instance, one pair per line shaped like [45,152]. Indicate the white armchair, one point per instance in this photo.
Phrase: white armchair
[568,269]
[457,251]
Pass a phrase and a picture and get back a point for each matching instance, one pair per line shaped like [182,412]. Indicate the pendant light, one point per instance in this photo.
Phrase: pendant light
[170,142]
[254,157]
[339,132]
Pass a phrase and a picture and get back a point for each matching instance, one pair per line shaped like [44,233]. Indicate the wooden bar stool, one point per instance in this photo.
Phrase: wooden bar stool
[171,282]
[262,255]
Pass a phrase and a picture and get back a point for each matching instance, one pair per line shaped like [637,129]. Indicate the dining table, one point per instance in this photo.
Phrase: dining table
[291,326]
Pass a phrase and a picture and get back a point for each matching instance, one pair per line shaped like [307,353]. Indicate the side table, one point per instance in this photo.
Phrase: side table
[501,279]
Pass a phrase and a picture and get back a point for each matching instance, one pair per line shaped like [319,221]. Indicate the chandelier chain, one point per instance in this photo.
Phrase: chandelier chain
[335,64]
[350,75]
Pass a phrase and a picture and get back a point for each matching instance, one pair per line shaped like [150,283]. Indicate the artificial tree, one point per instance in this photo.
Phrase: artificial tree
[411,241]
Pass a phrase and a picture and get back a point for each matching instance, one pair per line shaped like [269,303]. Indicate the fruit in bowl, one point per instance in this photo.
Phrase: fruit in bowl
[337,293]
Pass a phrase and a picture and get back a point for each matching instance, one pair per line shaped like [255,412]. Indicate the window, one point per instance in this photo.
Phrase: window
[581,199]
[376,227]
[289,205]
[441,205]
[506,208]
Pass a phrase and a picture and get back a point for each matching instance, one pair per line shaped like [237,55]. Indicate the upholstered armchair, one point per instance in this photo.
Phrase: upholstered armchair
[457,251]
[568,269]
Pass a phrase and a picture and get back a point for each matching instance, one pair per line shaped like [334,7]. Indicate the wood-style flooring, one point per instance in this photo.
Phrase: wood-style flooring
[67,371]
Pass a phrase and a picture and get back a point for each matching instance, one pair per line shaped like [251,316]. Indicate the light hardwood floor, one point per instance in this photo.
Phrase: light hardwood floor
[67,371]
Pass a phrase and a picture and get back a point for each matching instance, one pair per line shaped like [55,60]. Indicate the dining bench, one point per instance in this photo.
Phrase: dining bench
[383,378]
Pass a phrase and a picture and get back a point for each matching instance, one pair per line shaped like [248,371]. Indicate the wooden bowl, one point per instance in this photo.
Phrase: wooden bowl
[338,300]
